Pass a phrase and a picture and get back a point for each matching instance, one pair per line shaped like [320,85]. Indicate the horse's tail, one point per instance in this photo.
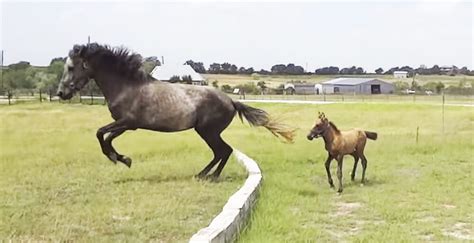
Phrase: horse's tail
[257,117]
[371,135]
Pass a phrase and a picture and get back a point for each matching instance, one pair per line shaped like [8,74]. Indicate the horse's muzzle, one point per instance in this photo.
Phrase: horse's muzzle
[310,137]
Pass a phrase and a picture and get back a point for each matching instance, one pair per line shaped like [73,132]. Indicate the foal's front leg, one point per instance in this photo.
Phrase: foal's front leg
[327,164]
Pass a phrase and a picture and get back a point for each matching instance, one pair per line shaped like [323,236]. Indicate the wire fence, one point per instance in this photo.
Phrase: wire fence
[32,96]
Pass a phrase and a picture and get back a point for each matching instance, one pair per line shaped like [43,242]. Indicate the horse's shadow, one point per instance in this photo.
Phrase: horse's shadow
[178,178]
[369,182]
[154,179]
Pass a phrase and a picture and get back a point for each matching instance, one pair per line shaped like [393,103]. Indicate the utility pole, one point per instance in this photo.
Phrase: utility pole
[1,72]
[88,39]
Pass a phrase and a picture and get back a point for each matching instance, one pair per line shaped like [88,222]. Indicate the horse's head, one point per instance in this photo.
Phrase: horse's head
[77,72]
[319,128]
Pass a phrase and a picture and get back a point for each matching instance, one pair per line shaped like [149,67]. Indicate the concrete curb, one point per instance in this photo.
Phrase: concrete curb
[236,212]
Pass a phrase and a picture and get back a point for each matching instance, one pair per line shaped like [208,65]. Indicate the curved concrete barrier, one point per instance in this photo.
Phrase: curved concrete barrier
[226,226]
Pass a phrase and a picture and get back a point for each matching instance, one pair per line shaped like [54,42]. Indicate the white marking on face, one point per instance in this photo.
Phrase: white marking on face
[69,62]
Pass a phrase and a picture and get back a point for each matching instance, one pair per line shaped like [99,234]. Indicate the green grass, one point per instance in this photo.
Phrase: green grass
[56,184]
[415,191]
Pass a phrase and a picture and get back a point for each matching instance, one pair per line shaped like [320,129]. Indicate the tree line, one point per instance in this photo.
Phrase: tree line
[292,69]
[22,75]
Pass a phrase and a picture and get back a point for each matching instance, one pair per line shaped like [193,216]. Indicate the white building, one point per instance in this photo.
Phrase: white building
[400,74]
[357,86]
[166,72]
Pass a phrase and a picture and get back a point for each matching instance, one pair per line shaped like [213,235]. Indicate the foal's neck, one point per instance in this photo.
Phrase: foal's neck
[329,135]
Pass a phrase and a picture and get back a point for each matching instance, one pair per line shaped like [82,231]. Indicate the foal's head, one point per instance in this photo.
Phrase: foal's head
[322,124]
[77,72]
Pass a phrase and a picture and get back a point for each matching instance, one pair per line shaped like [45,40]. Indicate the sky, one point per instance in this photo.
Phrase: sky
[311,34]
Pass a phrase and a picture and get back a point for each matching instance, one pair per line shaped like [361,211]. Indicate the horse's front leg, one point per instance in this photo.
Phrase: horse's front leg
[339,172]
[106,147]
[108,141]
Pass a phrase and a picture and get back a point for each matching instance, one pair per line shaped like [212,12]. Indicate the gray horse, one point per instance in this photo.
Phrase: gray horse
[138,101]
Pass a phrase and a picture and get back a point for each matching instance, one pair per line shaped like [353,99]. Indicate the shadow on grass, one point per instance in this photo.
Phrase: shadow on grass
[182,178]
[155,179]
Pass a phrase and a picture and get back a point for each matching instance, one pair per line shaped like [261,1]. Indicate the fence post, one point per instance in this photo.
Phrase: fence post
[417,132]
[41,97]
[92,97]
[9,95]
[80,97]
[443,112]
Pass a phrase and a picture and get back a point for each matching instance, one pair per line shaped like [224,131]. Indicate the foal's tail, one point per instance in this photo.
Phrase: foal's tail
[257,117]
[371,135]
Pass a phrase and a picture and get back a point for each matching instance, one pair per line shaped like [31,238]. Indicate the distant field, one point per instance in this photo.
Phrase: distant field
[275,80]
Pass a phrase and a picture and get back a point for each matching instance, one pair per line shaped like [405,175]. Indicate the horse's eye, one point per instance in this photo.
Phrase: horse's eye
[70,69]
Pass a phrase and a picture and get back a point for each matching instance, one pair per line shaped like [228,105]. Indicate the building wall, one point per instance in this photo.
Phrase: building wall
[363,88]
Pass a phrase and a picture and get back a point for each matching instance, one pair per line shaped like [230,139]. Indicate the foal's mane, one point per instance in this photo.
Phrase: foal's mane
[334,127]
[118,59]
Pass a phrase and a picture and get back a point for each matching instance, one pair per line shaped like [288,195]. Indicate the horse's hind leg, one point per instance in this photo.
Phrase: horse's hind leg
[356,160]
[225,152]
[327,164]
[364,167]
[213,143]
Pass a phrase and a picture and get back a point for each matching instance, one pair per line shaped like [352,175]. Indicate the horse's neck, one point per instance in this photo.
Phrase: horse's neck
[112,86]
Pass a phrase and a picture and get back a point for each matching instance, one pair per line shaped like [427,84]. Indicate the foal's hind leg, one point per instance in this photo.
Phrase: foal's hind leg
[356,160]
[364,167]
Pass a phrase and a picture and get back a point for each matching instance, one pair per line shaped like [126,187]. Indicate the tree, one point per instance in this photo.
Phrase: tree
[400,86]
[262,85]
[226,88]
[187,79]
[215,68]
[379,71]
[215,84]
[175,79]
[327,71]
[197,66]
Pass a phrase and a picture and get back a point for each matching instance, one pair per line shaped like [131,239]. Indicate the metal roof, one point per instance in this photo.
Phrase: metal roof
[350,81]
[165,72]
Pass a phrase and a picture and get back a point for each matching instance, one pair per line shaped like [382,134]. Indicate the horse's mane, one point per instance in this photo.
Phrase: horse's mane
[119,59]
[334,127]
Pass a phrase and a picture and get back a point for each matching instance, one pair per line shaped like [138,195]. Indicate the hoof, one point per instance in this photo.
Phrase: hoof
[200,176]
[212,178]
[339,190]
[127,161]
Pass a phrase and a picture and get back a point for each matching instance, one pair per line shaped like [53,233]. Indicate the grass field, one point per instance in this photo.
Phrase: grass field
[56,184]
[274,81]
[415,192]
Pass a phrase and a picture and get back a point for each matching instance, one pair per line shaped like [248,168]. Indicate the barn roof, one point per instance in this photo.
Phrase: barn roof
[165,72]
[350,81]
